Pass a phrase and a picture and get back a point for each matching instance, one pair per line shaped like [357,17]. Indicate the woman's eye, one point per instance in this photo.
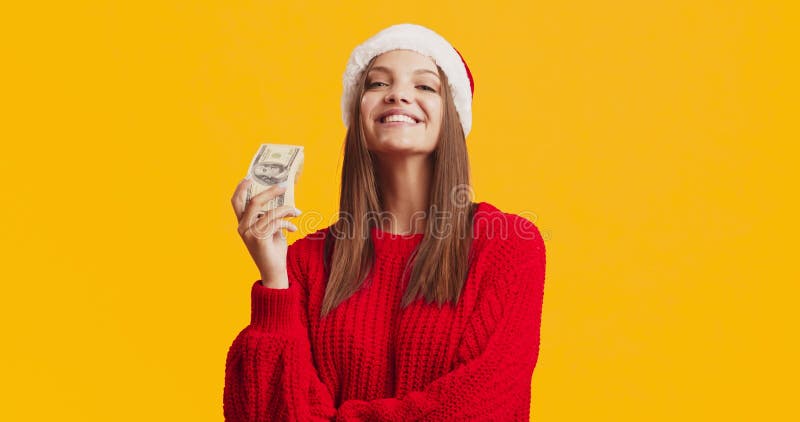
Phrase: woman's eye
[371,85]
[427,88]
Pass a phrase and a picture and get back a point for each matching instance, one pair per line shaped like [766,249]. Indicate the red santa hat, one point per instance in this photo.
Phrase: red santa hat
[417,38]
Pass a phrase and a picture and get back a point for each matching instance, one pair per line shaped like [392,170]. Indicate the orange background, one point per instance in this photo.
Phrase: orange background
[652,142]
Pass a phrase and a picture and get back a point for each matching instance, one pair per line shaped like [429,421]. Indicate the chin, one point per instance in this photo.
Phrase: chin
[403,142]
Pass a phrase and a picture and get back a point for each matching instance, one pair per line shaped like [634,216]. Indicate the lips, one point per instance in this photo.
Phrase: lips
[397,111]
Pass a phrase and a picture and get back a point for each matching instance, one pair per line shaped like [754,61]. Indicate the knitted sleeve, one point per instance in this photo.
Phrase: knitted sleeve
[270,375]
[268,371]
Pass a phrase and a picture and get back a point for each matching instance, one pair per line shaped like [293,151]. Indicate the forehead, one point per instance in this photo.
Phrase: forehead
[404,59]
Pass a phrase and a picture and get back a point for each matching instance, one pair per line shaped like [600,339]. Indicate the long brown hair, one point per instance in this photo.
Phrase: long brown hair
[441,260]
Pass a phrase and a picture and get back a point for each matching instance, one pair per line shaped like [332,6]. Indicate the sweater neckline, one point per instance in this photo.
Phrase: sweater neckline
[387,242]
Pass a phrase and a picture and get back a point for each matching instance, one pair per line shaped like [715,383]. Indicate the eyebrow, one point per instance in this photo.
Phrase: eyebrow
[387,70]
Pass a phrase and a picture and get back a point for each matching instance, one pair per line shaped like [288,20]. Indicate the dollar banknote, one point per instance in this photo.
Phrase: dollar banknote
[273,164]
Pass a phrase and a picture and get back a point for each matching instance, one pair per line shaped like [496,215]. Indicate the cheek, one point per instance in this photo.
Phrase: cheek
[434,109]
[367,105]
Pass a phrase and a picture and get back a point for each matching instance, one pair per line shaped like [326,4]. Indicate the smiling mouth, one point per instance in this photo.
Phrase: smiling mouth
[397,120]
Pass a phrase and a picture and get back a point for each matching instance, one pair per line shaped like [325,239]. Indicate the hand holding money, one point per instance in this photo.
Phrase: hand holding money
[261,201]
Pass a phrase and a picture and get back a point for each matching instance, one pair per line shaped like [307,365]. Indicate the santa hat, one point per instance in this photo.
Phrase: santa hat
[424,41]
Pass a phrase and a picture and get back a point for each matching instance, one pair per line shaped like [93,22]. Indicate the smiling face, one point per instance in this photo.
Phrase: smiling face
[401,109]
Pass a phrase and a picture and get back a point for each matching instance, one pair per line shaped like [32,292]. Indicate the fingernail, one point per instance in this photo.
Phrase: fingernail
[283,184]
[297,211]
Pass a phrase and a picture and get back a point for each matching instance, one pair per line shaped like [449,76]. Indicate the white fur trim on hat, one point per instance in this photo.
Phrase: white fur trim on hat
[424,41]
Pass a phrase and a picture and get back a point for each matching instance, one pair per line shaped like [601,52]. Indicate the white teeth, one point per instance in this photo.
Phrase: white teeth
[398,118]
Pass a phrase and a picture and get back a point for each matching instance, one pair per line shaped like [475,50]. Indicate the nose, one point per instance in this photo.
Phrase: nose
[397,94]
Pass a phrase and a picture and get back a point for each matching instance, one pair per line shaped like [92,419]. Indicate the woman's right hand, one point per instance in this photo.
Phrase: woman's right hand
[263,232]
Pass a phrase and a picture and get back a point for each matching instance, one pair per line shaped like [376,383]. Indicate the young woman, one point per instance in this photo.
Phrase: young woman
[417,304]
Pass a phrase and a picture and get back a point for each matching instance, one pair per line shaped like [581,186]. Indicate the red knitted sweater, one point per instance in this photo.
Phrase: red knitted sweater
[370,360]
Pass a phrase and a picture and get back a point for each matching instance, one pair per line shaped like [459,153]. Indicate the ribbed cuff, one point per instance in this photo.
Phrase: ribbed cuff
[274,309]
